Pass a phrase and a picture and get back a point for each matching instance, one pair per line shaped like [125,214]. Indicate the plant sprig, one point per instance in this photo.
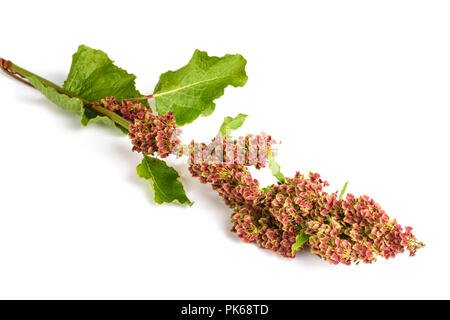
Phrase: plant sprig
[284,217]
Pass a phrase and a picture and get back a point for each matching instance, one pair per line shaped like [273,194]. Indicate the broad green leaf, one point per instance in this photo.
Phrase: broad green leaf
[300,240]
[275,167]
[74,105]
[191,90]
[230,124]
[164,180]
[94,76]
[341,195]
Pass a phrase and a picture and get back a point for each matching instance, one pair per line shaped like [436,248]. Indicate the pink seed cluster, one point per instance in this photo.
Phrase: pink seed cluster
[251,220]
[340,230]
[150,134]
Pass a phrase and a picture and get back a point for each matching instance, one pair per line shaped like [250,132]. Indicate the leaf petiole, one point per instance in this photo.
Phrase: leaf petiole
[22,75]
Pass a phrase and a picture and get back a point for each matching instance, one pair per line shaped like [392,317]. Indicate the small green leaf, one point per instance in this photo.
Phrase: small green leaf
[90,116]
[300,240]
[275,167]
[164,180]
[74,105]
[94,76]
[341,195]
[230,124]
[190,91]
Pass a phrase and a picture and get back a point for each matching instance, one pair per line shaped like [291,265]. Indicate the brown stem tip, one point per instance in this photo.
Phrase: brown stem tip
[6,66]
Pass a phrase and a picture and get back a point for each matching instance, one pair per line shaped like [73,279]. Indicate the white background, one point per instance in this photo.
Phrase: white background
[355,90]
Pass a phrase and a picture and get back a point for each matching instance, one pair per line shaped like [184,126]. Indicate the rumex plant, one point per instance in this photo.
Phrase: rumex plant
[285,217]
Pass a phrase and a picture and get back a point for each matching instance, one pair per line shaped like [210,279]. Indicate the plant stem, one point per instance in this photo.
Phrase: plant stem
[150,96]
[21,74]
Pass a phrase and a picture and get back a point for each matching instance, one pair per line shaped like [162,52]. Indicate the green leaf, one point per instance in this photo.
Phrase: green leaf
[275,167]
[74,105]
[90,116]
[300,240]
[164,180]
[230,124]
[190,91]
[94,76]
[341,195]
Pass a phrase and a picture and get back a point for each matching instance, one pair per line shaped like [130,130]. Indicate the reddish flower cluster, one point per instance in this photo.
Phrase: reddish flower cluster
[251,219]
[149,133]
[340,231]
